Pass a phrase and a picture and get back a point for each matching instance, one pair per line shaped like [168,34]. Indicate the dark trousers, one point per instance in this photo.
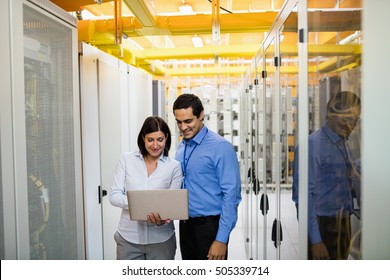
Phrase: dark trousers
[336,235]
[196,236]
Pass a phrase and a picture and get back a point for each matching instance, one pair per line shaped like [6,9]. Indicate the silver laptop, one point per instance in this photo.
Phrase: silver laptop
[170,204]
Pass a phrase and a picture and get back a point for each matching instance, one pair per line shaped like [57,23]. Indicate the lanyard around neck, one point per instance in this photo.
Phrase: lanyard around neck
[185,164]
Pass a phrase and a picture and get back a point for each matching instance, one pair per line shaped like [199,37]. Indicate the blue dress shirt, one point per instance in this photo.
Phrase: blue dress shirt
[212,177]
[329,179]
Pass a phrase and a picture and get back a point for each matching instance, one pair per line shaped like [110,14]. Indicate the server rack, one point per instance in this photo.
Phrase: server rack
[41,105]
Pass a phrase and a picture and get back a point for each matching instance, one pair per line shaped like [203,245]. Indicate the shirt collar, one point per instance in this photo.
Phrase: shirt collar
[199,136]
[162,157]
[331,134]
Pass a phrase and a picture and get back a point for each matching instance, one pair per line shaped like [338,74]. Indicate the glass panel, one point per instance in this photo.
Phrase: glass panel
[261,205]
[244,165]
[49,137]
[2,253]
[269,251]
[252,168]
[288,109]
[334,40]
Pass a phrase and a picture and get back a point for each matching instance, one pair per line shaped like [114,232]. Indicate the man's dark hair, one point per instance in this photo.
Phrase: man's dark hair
[187,100]
[342,101]
[153,124]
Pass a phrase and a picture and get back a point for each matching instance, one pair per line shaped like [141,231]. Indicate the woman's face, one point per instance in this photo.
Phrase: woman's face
[155,143]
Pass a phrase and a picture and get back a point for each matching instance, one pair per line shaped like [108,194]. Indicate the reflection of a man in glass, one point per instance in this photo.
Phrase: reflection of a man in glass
[341,118]
[330,184]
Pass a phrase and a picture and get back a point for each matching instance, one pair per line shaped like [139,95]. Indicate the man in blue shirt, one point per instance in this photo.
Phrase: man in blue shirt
[330,184]
[212,177]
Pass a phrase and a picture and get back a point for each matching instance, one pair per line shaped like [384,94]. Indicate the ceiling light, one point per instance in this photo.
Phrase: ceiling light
[185,9]
[197,41]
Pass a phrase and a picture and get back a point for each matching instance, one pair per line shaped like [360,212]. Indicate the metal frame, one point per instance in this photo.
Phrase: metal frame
[303,124]
[13,128]
[7,138]
[273,38]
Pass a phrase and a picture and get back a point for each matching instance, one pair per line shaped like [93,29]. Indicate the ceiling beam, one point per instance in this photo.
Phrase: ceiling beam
[207,71]
[240,51]
[179,25]
[143,11]
[75,5]
[149,59]
[247,50]
[201,24]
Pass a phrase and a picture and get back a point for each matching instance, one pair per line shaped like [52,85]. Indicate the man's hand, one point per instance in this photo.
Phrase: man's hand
[217,251]
[319,251]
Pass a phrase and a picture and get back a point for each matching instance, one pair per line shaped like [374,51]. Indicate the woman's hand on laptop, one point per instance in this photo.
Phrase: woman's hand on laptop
[154,218]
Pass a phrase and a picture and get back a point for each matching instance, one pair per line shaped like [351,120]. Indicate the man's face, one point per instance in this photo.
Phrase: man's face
[188,124]
[344,123]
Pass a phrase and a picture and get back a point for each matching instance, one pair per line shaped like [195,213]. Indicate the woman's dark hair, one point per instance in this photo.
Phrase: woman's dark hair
[187,100]
[154,124]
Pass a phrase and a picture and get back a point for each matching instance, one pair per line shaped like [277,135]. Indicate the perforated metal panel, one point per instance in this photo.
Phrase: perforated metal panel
[50,143]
